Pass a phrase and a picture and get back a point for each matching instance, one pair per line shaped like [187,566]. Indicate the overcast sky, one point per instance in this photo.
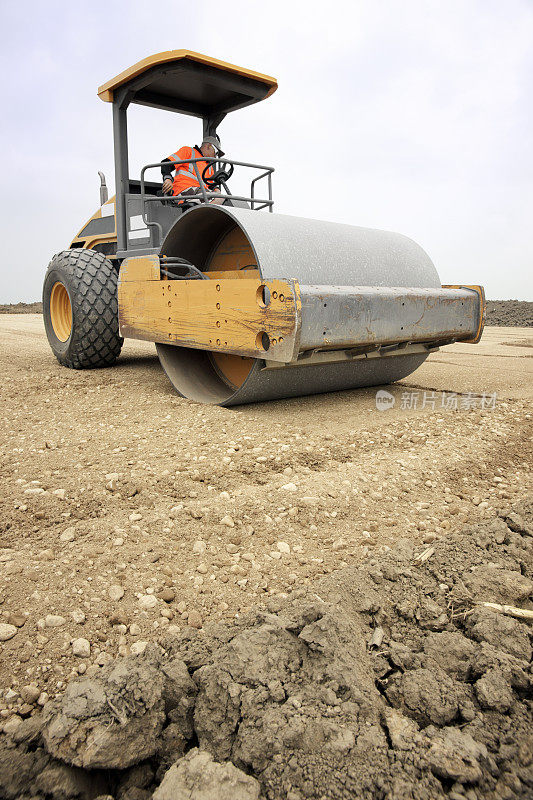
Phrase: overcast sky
[406,115]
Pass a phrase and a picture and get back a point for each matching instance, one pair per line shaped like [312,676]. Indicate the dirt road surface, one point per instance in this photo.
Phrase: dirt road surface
[128,511]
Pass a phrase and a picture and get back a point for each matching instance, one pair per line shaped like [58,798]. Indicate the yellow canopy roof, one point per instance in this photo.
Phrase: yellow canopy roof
[181,80]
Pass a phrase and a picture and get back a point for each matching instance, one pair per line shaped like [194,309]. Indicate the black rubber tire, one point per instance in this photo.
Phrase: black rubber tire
[91,282]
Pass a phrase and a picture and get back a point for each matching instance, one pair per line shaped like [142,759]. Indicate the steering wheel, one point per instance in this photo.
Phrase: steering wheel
[220,175]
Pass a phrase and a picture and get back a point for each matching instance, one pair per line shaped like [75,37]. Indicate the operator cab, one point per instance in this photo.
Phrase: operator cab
[196,85]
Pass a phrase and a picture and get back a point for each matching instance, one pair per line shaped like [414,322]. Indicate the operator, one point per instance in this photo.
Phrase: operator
[185,182]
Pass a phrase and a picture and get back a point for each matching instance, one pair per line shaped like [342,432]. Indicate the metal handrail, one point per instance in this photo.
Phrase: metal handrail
[209,195]
[206,196]
[252,188]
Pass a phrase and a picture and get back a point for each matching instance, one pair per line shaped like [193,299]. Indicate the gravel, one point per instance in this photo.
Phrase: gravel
[54,621]
[7,631]
[147,601]
[30,693]
[81,647]
[115,592]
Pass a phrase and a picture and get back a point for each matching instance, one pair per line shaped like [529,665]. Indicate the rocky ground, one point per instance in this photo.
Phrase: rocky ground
[131,516]
[514,313]
[391,679]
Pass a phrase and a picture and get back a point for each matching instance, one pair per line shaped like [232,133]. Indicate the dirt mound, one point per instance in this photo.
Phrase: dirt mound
[393,681]
[510,313]
[21,308]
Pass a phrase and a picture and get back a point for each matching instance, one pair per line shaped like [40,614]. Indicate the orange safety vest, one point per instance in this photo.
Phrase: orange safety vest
[185,177]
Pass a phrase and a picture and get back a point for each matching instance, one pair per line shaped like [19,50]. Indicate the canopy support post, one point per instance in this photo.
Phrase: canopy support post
[121,102]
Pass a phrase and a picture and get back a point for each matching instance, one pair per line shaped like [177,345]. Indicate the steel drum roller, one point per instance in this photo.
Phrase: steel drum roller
[314,253]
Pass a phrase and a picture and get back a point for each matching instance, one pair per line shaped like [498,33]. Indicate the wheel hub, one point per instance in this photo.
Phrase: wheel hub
[61,311]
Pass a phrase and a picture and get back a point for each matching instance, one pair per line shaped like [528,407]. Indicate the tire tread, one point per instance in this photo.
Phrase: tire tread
[95,340]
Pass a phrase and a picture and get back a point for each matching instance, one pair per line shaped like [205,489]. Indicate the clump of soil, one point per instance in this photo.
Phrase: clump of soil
[510,313]
[391,680]
[21,308]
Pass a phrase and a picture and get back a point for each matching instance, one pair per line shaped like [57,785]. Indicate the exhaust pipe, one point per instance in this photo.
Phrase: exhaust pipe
[104,194]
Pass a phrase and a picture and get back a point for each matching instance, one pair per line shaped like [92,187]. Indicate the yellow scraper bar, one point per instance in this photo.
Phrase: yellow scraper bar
[246,317]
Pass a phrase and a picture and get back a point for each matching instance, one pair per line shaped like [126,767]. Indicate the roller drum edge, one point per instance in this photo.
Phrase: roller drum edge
[189,372]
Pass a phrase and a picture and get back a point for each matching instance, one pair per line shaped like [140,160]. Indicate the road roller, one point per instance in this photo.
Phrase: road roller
[243,304]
